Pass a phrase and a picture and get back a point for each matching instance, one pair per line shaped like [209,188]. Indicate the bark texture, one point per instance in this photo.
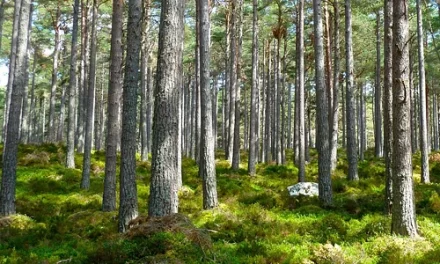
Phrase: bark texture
[128,205]
[163,189]
[404,214]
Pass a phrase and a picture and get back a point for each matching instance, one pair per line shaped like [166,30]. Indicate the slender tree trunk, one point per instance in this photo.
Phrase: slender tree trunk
[336,84]
[128,205]
[388,102]
[378,136]
[83,88]
[435,121]
[301,96]
[404,214]
[116,57]
[423,99]
[197,88]
[253,139]
[90,119]
[237,116]
[8,181]
[2,20]
[413,110]
[226,93]
[70,159]
[268,110]
[53,89]
[12,59]
[233,79]
[163,190]
[24,124]
[32,112]
[325,186]
[144,80]
[207,159]
[350,98]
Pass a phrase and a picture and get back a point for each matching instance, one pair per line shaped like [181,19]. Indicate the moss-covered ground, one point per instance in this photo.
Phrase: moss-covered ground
[256,222]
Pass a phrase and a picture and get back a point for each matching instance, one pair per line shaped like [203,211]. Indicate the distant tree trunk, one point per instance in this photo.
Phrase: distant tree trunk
[83,88]
[253,139]
[144,80]
[332,92]
[53,89]
[61,118]
[70,157]
[404,213]
[263,105]
[388,102]
[207,159]
[378,136]
[2,20]
[12,59]
[128,208]
[362,124]
[413,110]
[90,119]
[24,124]
[268,109]
[32,113]
[435,121]
[226,92]
[163,190]
[325,185]
[335,114]
[352,155]
[233,79]
[301,96]
[237,116]
[8,181]
[197,123]
[423,99]
[116,57]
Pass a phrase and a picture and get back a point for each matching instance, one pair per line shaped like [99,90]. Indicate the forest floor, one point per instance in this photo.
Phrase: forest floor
[256,222]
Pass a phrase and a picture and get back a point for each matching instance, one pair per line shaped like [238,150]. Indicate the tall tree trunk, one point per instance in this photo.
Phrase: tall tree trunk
[53,89]
[268,109]
[32,112]
[336,84]
[70,159]
[163,190]
[423,99]
[435,121]
[115,87]
[207,158]
[325,185]
[404,213]
[226,93]
[237,116]
[331,90]
[301,96]
[233,79]
[144,80]
[197,126]
[90,119]
[12,59]
[8,181]
[378,136]
[352,148]
[253,139]
[24,124]
[83,88]
[388,102]
[2,20]
[128,208]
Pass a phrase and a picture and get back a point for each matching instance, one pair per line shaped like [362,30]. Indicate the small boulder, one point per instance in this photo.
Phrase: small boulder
[308,189]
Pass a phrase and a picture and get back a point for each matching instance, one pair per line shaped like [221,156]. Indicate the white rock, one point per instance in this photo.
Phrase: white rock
[304,188]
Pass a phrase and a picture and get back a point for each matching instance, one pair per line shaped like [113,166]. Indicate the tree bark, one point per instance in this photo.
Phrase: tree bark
[70,153]
[325,186]
[53,89]
[163,190]
[207,158]
[378,136]
[404,214]
[233,79]
[268,109]
[237,116]
[388,102]
[9,173]
[145,103]
[301,95]
[423,99]
[128,205]
[336,84]
[352,148]
[253,139]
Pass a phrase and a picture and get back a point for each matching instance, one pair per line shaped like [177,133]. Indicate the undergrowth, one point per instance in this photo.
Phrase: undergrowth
[256,221]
